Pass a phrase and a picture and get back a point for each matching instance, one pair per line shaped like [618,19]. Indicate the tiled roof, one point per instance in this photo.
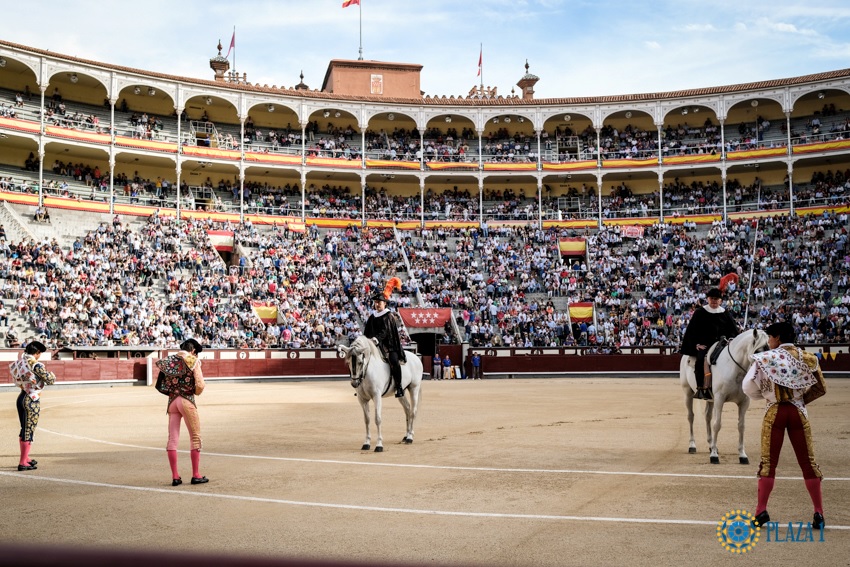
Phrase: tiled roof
[443,100]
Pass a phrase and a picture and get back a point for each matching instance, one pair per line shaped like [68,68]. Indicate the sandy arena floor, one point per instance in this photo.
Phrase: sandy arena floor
[526,472]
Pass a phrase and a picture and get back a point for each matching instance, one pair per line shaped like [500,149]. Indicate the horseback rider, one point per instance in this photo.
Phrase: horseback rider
[382,328]
[708,324]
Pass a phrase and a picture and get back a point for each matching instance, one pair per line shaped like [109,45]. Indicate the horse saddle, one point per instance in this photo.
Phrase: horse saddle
[715,354]
[402,359]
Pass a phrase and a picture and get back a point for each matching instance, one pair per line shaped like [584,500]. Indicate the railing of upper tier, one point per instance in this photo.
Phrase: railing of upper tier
[90,128]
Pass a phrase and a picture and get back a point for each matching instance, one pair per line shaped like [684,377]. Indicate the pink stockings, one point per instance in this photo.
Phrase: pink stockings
[25,453]
[178,410]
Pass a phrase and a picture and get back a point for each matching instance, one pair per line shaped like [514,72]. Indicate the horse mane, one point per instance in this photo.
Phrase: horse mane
[362,345]
[754,335]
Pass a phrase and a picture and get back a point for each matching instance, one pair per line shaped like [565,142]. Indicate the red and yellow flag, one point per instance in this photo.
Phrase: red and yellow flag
[347,3]
[265,311]
[581,312]
[572,246]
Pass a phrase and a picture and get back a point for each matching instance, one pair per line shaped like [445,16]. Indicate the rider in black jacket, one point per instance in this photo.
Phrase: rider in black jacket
[708,324]
[382,328]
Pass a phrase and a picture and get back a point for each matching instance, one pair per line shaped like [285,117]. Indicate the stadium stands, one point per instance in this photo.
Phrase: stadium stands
[466,206]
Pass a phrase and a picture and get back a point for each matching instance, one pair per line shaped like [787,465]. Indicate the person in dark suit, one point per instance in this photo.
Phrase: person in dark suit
[708,324]
[382,328]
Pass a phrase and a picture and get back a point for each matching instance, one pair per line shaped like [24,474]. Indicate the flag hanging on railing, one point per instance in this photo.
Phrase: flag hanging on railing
[222,240]
[265,311]
[572,246]
[232,44]
[632,231]
[425,318]
[347,3]
[581,312]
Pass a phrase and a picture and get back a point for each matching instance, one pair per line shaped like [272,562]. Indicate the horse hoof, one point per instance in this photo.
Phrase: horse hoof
[715,460]
[407,440]
[692,450]
[365,447]
[379,449]
[744,460]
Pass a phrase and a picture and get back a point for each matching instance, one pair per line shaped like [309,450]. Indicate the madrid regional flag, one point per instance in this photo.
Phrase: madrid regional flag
[424,318]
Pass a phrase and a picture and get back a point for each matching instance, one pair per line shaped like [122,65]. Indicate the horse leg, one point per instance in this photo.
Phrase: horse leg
[379,444]
[742,414]
[365,405]
[405,403]
[410,411]
[689,405]
[717,412]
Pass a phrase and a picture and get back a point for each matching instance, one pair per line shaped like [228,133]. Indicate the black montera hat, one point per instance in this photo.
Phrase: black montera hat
[34,347]
[784,330]
[715,292]
[379,296]
[191,344]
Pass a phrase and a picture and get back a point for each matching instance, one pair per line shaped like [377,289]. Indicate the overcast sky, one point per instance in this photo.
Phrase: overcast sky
[576,47]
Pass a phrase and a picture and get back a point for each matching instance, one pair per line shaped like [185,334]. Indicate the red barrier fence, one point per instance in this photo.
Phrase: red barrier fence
[128,365]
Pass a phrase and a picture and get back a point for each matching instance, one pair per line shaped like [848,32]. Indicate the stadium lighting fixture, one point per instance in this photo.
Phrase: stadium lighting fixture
[208,100]
[74,78]
[754,103]
[495,121]
[629,114]
[684,111]
[821,95]
[521,119]
[507,119]
[448,118]
[2,62]
[151,91]
[391,116]
[271,108]
[137,90]
[337,114]
[567,118]
[326,113]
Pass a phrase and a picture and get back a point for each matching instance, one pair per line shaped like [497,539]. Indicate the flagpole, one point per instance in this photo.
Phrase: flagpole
[234,48]
[360,12]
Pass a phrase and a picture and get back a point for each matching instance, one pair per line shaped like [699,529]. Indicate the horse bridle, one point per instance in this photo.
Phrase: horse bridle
[738,364]
[357,380]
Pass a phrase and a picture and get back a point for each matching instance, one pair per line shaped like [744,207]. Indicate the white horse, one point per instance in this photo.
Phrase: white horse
[370,377]
[726,378]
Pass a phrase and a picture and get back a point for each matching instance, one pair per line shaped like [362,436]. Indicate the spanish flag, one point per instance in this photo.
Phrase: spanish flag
[581,312]
[266,312]
[347,3]
[572,246]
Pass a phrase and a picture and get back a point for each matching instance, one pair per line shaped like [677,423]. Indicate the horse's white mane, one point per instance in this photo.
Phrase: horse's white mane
[362,345]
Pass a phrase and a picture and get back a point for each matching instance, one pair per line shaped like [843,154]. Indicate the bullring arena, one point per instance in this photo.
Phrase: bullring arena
[572,471]
[566,240]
